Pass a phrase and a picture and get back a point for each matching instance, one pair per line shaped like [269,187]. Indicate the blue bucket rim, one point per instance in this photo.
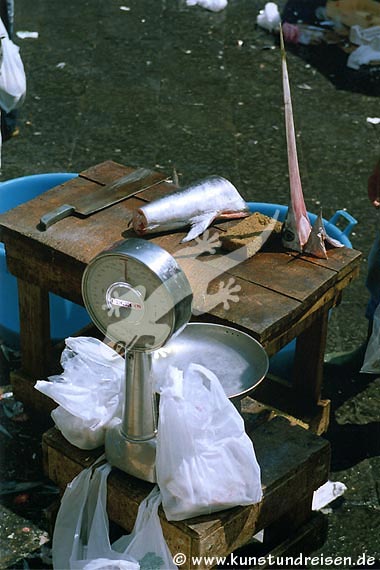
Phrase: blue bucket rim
[331,228]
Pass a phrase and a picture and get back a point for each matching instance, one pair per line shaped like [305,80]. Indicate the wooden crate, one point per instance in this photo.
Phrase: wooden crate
[294,463]
[364,13]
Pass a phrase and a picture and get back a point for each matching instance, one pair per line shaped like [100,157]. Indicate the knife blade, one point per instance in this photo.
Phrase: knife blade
[121,189]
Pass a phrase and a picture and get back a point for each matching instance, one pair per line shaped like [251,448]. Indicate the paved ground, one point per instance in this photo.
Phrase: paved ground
[158,84]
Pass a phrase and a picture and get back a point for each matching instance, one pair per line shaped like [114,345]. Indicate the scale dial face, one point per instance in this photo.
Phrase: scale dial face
[133,303]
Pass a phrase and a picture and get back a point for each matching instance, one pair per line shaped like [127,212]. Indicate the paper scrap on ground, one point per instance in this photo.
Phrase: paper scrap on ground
[327,493]
[213,5]
[26,35]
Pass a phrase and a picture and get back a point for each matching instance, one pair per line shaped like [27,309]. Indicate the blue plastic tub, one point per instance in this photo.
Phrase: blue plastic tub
[281,364]
[65,317]
[331,225]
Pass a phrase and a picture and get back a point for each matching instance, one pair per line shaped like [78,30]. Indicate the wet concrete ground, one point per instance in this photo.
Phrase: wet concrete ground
[158,84]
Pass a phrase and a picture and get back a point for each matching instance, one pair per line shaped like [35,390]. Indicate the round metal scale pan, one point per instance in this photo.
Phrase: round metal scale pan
[237,359]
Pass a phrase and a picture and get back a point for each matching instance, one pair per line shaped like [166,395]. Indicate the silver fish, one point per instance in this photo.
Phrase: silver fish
[197,205]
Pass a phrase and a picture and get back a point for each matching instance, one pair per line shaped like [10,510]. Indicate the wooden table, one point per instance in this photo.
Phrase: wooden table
[282,295]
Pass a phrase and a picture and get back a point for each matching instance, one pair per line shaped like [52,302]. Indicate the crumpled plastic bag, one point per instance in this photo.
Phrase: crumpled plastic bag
[81,534]
[90,391]
[109,564]
[12,73]
[269,18]
[365,36]
[371,363]
[362,55]
[205,461]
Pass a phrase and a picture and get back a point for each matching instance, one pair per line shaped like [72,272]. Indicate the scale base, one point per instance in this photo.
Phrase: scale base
[137,458]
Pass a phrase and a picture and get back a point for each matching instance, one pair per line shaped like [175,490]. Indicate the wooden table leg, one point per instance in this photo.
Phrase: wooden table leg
[35,339]
[308,362]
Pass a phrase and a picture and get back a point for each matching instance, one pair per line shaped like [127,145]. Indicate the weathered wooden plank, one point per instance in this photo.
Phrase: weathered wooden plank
[294,276]
[106,172]
[308,363]
[339,259]
[34,326]
[277,395]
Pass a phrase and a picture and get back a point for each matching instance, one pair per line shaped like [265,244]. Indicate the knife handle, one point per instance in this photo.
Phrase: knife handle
[54,216]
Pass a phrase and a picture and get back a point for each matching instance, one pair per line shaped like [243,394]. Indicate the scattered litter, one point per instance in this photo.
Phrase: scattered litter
[21,499]
[363,55]
[44,538]
[340,24]
[27,35]
[259,536]
[269,18]
[327,493]
[12,408]
[304,86]
[365,36]
[6,395]
[373,120]
[125,8]
[4,431]
[213,5]
[302,34]
[61,65]
[11,356]
[10,487]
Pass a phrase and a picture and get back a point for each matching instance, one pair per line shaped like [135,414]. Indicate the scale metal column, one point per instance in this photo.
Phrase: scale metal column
[137,295]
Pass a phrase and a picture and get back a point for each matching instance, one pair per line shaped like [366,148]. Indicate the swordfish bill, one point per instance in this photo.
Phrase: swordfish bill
[297,226]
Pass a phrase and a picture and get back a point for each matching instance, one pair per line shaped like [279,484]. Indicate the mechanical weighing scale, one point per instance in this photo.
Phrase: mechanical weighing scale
[138,296]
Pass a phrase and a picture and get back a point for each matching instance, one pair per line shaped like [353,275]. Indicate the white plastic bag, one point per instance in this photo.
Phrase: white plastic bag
[90,391]
[205,460]
[371,364]
[269,18]
[81,537]
[146,543]
[12,73]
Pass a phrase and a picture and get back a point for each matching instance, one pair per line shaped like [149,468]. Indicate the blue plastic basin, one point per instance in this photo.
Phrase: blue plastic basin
[281,364]
[65,317]
[330,225]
